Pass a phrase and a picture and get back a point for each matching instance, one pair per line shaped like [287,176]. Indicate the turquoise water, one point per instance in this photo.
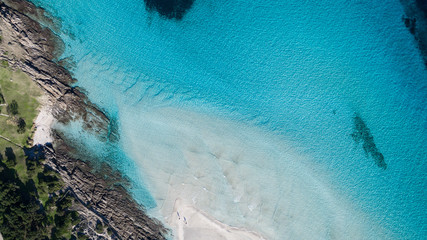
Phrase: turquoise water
[281,80]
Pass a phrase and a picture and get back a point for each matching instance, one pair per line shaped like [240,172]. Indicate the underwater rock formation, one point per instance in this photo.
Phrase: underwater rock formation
[171,9]
[363,134]
[416,22]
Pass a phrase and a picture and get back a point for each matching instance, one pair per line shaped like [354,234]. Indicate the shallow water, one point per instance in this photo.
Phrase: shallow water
[251,105]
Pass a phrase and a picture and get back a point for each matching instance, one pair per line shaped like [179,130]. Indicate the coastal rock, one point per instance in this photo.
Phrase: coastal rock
[28,46]
[32,49]
[109,201]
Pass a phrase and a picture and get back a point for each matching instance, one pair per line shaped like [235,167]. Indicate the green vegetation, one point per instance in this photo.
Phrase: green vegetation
[99,227]
[22,213]
[4,63]
[18,99]
[32,205]
[81,236]
[2,99]
[12,108]
[21,125]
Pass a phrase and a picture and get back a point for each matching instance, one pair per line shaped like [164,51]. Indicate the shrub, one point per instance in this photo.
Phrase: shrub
[99,228]
[82,236]
[12,108]
[1,98]
[4,63]
[21,125]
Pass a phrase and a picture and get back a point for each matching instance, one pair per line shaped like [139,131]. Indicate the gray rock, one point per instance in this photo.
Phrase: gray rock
[102,197]
[32,49]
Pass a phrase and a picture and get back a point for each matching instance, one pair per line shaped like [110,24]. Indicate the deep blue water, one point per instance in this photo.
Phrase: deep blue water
[298,71]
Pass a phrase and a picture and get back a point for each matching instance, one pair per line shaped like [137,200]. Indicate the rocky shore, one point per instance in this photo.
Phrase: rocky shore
[25,44]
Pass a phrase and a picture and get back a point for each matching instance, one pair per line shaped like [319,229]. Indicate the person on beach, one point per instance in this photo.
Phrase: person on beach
[179,217]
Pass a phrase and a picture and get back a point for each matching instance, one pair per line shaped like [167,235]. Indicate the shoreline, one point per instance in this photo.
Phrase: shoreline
[32,48]
[190,223]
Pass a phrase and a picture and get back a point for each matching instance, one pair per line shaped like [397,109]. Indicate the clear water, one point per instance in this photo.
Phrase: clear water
[245,108]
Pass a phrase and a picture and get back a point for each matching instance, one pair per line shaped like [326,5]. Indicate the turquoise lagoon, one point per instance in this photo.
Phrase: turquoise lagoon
[245,109]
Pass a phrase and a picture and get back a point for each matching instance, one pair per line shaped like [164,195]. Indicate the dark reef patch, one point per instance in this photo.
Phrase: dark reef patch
[410,23]
[422,5]
[416,22]
[363,134]
[171,9]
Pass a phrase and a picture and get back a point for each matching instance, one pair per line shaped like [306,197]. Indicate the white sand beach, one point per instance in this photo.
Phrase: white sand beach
[191,223]
[43,123]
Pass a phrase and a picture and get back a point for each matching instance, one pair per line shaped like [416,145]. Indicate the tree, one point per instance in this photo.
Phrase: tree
[20,212]
[11,157]
[21,125]
[12,108]
[99,228]
[1,98]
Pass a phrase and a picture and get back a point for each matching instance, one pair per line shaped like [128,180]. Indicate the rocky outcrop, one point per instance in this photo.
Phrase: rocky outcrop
[32,48]
[109,201]
[28,46]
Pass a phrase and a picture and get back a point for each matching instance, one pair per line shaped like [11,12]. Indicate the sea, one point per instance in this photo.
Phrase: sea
[292,119]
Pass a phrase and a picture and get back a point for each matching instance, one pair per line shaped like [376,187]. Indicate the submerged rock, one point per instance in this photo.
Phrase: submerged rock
[410,23]
[171,9]
[363,134]
[416,22]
